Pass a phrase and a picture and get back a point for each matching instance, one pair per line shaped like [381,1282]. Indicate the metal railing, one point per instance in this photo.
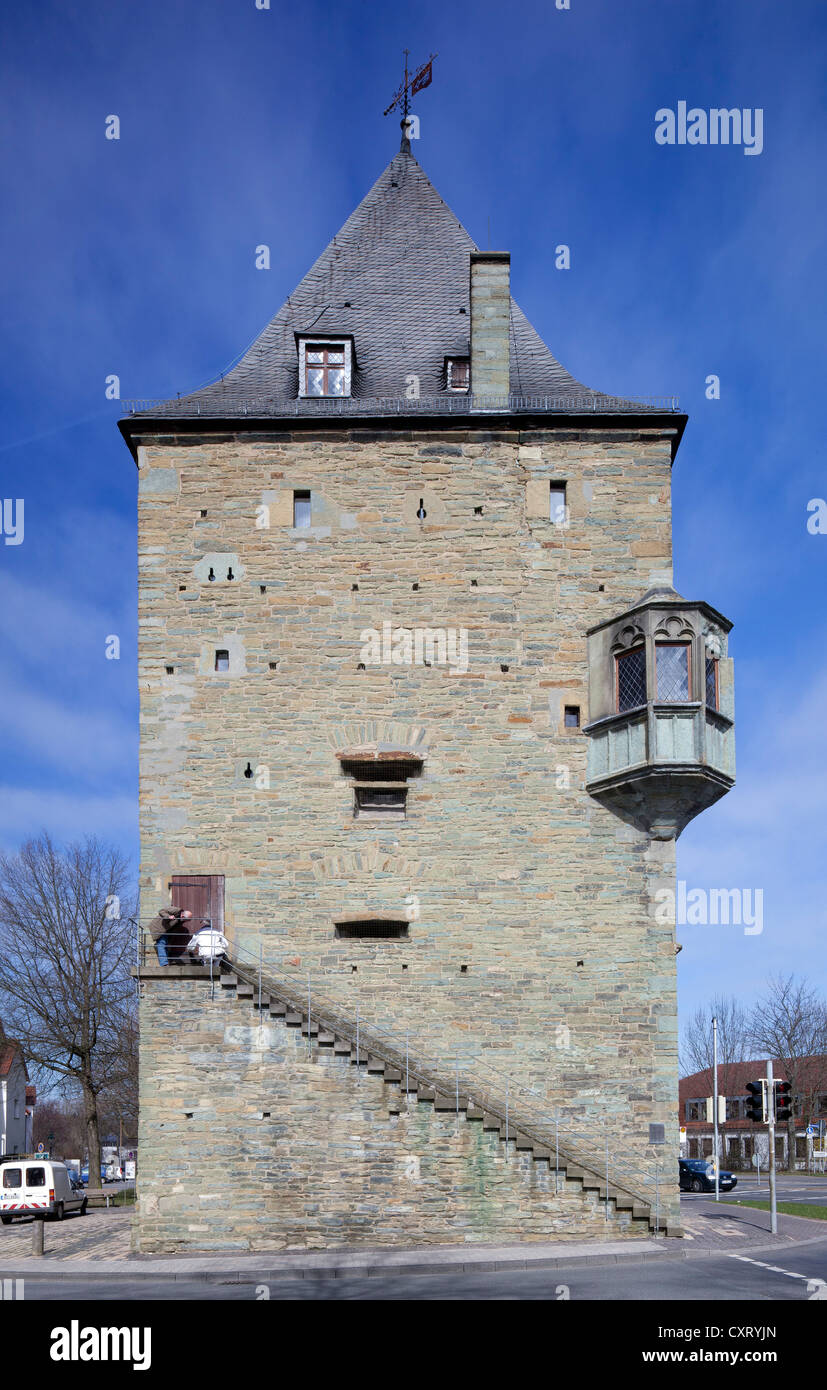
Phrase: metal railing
[587,402]
[467,1075]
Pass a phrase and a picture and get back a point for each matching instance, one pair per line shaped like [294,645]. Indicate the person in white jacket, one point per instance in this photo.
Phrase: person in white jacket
[207,943]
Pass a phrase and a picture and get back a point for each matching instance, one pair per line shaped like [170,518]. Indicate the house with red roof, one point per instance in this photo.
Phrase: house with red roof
[742,1141]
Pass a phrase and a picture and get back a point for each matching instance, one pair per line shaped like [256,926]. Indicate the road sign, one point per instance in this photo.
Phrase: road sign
[812,1129]
[41,1148]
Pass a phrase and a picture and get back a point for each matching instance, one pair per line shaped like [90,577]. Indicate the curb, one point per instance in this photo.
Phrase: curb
[457,1262]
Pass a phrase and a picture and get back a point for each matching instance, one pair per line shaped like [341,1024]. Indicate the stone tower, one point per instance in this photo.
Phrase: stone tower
[421,718]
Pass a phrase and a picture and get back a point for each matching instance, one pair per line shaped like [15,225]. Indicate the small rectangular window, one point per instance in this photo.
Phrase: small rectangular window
[571,717]
[557,503]
[301,509]
[372,928]
[35,1177]
[630,678]
[672,669]
[222,661]
[458,372]
[711,682]
[325,369]
[380,800]
[13,1177]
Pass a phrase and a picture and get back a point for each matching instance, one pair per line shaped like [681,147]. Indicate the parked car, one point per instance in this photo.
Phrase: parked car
[698,1175]
[35,1187]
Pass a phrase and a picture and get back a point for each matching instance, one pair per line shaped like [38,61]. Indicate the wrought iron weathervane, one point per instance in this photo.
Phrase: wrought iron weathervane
[412,83]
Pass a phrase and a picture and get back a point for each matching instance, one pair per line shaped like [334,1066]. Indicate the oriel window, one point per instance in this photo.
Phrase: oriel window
[711,682]
[630,678]
[672,668]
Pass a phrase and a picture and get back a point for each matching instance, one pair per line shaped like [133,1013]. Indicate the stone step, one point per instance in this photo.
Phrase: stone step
[360,1060]
[229,981]
[425,1093]
[342,1047]
[639,1212]
[523,1142]
[392,1076]
[326,1039]
[277,1008]
[244,990]
[474,1112]
[491,1122]
[293,1019]
[375,1064]
[542,1155]
[311,1030]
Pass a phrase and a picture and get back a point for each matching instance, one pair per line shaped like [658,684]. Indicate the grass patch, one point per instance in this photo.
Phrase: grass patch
[812,1210]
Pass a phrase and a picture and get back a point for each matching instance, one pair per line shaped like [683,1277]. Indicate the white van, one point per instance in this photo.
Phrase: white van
[34,1186]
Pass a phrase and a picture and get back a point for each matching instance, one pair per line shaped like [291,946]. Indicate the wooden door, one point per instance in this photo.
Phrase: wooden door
[203,896]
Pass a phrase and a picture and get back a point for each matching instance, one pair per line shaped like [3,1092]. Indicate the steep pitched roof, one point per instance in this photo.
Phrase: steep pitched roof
[396,278]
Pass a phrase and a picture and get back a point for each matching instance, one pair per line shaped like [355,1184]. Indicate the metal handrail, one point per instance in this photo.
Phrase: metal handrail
[496,1100]
[574,1145]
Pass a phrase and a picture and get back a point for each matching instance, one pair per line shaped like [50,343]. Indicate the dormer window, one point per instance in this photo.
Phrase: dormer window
[458,373]
[324,367]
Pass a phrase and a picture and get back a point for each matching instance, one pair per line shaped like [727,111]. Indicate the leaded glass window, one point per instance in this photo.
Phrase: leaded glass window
[631,679]
[325,370]
[672,668]
[711,682]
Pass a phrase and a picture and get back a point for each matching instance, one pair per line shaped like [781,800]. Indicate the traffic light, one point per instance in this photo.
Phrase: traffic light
[783,1100]
[756,1106]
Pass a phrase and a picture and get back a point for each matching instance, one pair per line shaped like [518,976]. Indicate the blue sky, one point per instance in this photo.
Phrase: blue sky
[242,126]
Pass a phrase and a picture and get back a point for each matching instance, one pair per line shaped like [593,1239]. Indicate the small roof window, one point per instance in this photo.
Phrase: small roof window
[324,367]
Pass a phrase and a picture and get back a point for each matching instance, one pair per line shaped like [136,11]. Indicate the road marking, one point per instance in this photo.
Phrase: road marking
[774,1269]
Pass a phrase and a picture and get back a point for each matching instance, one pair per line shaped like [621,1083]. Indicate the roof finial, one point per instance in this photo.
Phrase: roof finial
[410,86]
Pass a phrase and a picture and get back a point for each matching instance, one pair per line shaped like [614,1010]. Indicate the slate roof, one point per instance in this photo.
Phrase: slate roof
[396,278]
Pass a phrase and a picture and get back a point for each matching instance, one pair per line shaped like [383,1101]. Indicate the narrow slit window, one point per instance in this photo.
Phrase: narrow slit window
[630,677]
[711,682]
[301,509]
[222,660]
[672,669]
[557,503]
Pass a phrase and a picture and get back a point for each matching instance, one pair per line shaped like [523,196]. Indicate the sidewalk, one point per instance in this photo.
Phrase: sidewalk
[97,1246]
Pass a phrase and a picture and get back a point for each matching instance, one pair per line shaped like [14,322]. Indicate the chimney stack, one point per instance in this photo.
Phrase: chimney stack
[490,322]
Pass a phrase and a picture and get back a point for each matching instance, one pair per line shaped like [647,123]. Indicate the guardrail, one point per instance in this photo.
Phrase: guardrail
[589,402]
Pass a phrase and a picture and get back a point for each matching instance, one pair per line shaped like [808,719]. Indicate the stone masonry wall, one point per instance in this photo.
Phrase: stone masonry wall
[504,865]
[252,1141]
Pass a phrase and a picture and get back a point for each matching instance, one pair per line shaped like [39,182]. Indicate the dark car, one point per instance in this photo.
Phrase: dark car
[698,1175]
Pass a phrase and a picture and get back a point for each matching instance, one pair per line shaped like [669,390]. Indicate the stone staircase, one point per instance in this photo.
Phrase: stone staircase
[281,1001]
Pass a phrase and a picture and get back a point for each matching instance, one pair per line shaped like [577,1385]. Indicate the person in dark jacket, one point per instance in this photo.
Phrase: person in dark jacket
[169,929]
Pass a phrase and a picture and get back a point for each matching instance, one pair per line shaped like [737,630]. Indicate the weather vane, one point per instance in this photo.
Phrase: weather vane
[412,83]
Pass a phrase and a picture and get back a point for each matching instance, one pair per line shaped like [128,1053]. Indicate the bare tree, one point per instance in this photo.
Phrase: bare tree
[60,1127]
[65,954]
[789,1025]
[733,1041]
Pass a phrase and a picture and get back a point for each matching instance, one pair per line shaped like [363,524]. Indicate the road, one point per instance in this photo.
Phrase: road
[793,1276]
